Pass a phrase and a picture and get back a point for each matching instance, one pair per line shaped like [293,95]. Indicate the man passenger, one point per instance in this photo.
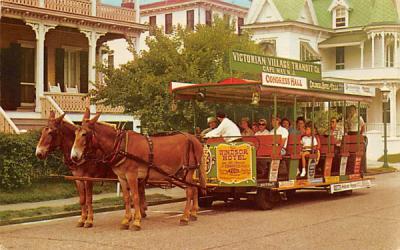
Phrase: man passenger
[276,125]
[226,129]
[212,124]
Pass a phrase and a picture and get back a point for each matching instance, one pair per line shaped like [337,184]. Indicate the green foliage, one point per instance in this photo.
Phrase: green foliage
[18,163]
[141,86]
[321,119]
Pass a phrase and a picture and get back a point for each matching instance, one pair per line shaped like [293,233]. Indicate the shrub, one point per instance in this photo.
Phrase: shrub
[18,163]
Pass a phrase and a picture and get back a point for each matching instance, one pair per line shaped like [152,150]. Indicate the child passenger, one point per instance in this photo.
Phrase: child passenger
[310,144]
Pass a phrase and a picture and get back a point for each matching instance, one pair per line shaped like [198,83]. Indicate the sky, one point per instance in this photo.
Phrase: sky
[245,3]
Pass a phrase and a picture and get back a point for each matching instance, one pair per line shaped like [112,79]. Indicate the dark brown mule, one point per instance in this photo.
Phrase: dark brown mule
[175,153]
[60,134]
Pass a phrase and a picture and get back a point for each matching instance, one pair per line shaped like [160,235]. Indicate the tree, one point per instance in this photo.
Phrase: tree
[141,86]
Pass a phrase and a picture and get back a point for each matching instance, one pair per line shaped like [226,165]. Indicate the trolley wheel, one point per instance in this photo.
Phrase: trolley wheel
[205,202]
[266,199]
[290,193]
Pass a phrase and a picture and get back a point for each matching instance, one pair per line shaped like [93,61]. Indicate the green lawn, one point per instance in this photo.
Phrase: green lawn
[116,202]
[50,189]
[395,158]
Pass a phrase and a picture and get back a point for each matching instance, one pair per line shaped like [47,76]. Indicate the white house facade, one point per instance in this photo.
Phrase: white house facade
[356,41]
[169,14]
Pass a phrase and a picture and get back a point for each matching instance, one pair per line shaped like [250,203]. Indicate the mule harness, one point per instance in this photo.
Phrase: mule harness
[113,160]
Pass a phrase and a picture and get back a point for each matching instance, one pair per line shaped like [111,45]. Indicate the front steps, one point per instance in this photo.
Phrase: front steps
[26,124]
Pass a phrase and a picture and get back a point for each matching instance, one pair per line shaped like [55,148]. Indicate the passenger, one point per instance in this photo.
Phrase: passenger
[254,127]
[351,123]
[212,124]
[335,131]
[300,126]
[276,125]
[245,126]
[309,144]
[262,127]
[226,129]
[285,123]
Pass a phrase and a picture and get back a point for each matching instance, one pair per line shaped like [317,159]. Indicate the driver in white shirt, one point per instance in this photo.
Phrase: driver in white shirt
[226,129]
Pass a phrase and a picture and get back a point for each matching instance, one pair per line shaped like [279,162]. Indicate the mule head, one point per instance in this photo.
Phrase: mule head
[50,136]
[84,138]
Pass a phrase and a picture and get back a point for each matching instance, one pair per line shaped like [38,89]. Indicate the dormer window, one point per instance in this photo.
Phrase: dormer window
[340,13]
[340,19]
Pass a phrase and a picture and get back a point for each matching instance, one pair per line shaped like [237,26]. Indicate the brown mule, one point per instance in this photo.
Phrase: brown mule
[174,153]
[60,134]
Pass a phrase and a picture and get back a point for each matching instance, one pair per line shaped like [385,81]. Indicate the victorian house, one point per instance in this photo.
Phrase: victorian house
[48,52]
[355,41]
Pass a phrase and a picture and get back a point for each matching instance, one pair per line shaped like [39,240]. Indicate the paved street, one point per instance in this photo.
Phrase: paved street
[369,219]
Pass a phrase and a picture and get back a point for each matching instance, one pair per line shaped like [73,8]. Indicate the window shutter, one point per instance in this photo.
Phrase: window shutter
[168,23]
[60,67]
[84,71]
[190,19]
[13,95]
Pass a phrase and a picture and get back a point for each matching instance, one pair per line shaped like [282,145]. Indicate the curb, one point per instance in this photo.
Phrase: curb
[378,173]
[75,213]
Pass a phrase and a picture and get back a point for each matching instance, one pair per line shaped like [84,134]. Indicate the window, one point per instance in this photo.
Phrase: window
[110,60]
[72,68]
[389,55]
[307,53]
[240,24]
[340,19]
[208,17]
[339,57]
[168,23]
[269,47]
[190,19]
[153,24]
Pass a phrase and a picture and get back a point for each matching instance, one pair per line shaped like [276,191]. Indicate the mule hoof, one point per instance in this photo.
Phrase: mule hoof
[193,218]
[88,224]
[184,222]
[124,226]
[144,215]
[136,227]
[80,224]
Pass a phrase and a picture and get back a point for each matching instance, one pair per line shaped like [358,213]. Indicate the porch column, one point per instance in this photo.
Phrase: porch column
[396,51]
[393,111]
[383,48]
[93,7]
[362,55]
[137,11]
[92,37]
[372,50]
[41,3]
[40,32]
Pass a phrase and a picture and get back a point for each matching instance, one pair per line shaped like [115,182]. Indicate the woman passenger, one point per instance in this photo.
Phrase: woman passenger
[245,127]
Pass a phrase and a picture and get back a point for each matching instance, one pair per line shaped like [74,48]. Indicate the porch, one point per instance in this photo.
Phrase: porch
[49,50]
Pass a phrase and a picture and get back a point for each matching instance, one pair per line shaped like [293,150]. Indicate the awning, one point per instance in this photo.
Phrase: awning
[343,41]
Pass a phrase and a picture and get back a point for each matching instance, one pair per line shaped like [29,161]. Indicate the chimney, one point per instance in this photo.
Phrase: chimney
[128,4]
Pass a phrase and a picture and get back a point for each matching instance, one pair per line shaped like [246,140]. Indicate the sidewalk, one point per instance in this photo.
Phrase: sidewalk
[377,164]
[174,193]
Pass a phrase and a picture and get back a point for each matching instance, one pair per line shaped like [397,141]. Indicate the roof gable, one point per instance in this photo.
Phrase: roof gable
[307,14]
[262,11]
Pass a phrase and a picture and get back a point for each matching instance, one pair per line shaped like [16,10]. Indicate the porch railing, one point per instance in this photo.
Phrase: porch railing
[115,13]
[379,127]
[24,2]
[48,104]
[81,7]
[77,103]
[6,124]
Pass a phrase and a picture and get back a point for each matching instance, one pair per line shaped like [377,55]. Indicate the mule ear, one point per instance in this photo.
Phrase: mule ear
[52,115]
[86,115]
[60,118]
[95,118]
